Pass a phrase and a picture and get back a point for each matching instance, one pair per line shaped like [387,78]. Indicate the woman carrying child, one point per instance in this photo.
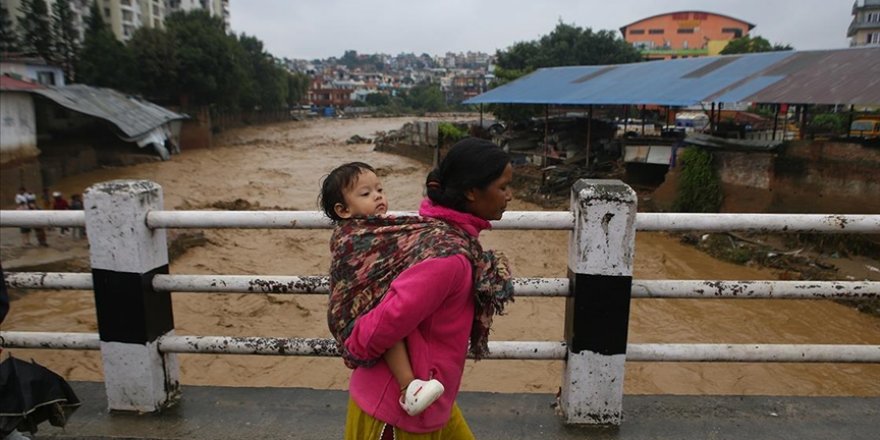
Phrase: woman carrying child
[424,280]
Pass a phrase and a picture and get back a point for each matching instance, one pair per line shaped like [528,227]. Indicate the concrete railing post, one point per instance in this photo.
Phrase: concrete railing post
[125,255]
[600,257]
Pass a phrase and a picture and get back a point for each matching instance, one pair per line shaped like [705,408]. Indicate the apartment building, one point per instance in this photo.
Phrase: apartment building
[124,17]
[865,26]
[217,8]
[684,34]
[79,8]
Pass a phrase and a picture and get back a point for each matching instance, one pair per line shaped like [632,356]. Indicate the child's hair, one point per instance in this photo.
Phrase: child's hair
[470,163]
[335,184]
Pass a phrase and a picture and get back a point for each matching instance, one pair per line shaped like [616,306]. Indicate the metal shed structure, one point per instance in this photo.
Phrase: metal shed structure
[837,77]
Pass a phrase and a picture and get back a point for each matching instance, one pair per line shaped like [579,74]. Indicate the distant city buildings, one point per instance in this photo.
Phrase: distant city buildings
[124,17]
[684,34]
[865,26]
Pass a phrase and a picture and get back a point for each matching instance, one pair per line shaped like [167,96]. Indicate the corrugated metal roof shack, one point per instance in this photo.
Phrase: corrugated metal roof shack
[792,81]
[50,132]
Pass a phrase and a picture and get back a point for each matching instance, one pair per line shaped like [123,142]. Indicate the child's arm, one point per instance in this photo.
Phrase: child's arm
[397,359]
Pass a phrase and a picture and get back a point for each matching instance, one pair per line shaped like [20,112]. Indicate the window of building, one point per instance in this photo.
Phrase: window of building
[106,12]
[656,31]
[873,38]
[637,32]
[737,32]
[680,16]
[686,31]
[127,15]
[46,78]
[872,17]
[701,16]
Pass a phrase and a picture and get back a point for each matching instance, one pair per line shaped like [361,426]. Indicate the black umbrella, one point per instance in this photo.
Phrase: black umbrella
[31,394]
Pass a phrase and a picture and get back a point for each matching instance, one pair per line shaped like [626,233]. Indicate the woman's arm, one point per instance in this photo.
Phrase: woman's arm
[412,297]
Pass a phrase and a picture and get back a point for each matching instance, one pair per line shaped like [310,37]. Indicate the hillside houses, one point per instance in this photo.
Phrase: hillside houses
[347,81]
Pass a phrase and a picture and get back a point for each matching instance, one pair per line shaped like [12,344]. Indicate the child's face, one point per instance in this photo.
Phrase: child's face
[363,197]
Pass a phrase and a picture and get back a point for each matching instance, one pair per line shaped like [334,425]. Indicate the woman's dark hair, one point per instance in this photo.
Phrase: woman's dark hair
[335,183]
[470,163]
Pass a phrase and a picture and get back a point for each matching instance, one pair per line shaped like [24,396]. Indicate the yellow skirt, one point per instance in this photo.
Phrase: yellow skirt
[361,426]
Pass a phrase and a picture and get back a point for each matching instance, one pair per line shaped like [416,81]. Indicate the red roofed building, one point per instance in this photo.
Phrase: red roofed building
[684,34]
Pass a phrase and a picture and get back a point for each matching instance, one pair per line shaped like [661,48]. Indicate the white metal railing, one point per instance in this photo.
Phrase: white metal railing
[559,220]
[531,350]
[524,287]
[140,222]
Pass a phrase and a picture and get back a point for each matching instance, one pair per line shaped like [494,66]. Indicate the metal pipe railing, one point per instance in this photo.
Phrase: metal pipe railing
[524,287]
[555,220]
[531,350]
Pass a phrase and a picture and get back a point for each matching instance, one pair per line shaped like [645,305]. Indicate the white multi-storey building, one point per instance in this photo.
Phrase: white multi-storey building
[126,16]
[865,26]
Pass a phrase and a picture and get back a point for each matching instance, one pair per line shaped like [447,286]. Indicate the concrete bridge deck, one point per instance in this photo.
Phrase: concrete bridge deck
[221,413]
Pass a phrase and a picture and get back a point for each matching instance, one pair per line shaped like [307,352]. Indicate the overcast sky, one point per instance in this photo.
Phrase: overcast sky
[323,28]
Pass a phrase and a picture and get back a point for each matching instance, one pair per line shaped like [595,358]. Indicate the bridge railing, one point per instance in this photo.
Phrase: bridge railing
[128,255]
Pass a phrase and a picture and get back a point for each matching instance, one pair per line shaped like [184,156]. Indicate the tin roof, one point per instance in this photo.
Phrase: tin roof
[10,84]
[133,116]
[841,76]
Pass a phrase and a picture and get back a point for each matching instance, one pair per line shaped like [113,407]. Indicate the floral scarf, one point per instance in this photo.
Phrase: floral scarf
[368,254]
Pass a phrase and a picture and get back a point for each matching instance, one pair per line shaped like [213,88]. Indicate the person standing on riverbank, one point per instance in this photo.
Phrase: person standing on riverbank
[441,302]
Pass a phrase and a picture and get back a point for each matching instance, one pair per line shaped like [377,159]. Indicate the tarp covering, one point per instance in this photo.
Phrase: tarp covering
[134,117]
[841,76]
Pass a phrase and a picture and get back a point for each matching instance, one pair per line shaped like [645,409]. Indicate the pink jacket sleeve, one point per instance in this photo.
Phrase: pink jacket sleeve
[412,297]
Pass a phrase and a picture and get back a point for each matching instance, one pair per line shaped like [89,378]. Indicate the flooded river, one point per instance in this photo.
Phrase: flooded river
[280,165]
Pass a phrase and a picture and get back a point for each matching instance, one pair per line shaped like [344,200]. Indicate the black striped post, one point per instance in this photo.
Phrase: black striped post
[125,255]
[600,257]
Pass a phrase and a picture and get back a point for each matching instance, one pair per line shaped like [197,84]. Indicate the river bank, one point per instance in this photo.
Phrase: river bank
[280,165]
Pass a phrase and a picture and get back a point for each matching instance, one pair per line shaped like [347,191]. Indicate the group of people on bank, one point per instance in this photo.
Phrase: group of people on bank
[27,201]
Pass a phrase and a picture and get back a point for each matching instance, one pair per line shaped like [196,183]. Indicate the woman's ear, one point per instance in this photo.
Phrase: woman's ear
[469,195]
[341,210]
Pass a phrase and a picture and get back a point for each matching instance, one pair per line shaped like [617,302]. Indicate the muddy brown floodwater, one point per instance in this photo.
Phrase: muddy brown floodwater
[281,165]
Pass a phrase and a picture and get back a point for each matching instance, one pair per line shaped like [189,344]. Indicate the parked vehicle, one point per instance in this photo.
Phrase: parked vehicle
[692,121]
[867,127]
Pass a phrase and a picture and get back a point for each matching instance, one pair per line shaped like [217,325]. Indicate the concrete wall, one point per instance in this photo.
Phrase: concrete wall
[805,177]
[18,128]
[19,156]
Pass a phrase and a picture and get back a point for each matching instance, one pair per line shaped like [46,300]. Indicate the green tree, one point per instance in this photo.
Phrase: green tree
[266,84]
[749,44]
[8,37]
[66,37]
[699,187]
[157,64]
[297,87]
[209,62]
[104,61]
[566,45]
[426,97]
[378,99]
[36,35]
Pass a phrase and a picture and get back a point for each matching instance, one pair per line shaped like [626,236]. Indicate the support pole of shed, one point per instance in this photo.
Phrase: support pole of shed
[784,122]
[849,120]
[775,122]
[625,118]
[642,117]
[589,134]
[712,119]
[804,109]
[481,116]
[718,117]
[546,135]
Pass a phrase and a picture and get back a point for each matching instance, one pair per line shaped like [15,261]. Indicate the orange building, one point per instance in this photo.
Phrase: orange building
[684,34]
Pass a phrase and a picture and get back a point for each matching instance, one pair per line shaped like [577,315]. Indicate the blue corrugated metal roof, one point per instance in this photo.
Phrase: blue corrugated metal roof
[689,81]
